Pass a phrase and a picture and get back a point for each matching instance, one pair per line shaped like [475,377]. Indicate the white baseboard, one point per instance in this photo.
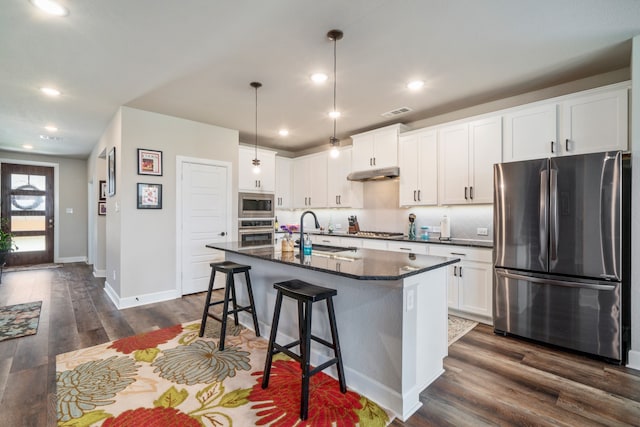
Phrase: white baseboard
[634,360]
[139,300]
[66,260]
[99,273]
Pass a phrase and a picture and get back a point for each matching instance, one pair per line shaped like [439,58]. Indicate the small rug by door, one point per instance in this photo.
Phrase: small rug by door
[172,377]
[458,327]
[31,267]
[19,320]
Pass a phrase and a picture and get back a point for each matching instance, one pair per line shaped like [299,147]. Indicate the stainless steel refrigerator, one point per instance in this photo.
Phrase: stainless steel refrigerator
[561,257]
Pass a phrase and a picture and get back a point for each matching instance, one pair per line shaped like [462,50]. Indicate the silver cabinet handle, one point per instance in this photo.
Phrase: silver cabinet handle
[569,284]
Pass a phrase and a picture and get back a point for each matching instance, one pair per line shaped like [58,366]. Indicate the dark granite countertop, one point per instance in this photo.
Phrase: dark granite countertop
[360,264]
[459,242]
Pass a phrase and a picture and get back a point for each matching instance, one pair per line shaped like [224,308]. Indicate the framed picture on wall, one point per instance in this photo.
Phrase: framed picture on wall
[111,172]
[103,190]
[149,196]
[149,162]
[102,208]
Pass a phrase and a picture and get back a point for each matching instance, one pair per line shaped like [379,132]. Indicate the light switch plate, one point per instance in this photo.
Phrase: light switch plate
[482,231]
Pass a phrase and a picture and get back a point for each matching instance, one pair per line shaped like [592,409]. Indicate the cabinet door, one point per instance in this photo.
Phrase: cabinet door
[340,191]
[531,133]
[452,286]
[475,288]
[485,149]
[300,186]
[250,181]
[283,183]
[408,162]
[385,148]
[596,122]
[453,145]
[362,156]
[427,165]
[317,180]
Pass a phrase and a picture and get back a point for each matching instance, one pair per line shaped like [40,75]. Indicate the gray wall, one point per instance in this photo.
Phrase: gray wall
[634,355]
[72,193]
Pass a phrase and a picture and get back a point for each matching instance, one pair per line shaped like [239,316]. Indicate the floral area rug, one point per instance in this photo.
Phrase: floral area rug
[19,320]
[172,377]
[459,327]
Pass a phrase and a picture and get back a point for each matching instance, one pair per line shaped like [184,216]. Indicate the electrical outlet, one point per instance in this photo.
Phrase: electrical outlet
[435,228]
[482,231]
[338,226]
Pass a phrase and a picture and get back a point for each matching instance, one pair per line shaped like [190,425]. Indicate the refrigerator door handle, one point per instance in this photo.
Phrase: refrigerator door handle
[566,283]
[544,215]
[553,215]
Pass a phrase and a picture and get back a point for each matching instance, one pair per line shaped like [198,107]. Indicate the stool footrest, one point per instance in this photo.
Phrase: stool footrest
[323,366]
[323,342]
[285,350]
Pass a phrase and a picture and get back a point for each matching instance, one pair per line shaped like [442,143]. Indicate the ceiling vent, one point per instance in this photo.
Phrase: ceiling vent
[397,112]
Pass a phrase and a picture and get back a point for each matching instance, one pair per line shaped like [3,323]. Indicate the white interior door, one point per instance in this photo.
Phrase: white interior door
[204,219]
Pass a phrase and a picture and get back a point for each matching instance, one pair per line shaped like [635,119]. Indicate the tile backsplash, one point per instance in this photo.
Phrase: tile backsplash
[381,213]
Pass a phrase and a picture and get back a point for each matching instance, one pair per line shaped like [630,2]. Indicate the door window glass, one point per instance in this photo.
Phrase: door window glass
[28,182]
[30,243]
[24,202]
[27,223]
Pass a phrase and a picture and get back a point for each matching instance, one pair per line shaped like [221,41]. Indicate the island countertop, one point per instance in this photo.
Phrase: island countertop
[354,263]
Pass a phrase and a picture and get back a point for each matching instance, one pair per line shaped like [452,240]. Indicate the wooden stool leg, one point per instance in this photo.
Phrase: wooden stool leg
[233,299]
[252,303]
[225,310]
[336,344]
[207,301]
[272,340]
[304,405]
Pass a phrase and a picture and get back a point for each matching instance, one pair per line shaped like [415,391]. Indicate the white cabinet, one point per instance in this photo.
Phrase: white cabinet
[377,148]
[342,193]
[407,247]
[265,181]
[418,161]
[585,122]
[283,183]
[595,122]
[309,181]
[469,282]
[467,153]
[374,244]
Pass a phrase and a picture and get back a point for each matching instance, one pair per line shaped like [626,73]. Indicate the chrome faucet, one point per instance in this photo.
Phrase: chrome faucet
[302,229]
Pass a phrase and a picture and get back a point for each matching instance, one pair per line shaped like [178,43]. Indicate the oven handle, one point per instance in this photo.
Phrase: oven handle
[566,283]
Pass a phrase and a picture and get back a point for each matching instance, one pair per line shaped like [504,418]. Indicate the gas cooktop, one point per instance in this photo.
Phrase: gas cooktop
[377,234]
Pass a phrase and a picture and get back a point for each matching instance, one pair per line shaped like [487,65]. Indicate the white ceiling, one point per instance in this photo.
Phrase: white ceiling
[195,59]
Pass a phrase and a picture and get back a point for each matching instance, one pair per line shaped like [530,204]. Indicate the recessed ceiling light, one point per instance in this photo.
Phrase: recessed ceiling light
[319,77]
[27,147]
[51,7]
[415,85]
[50,91]
[51,128]
[334,114]
[283,132]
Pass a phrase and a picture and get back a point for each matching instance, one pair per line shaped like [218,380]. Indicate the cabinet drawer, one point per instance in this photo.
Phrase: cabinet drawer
[408,247]
[465,253]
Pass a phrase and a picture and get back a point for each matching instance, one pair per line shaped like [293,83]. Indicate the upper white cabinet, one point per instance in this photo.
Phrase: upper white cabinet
[595,122]
[265,181]
[585,122]
[342,193]
[283,183]
[467,153]
[377,148]
[418,161]
[309,181]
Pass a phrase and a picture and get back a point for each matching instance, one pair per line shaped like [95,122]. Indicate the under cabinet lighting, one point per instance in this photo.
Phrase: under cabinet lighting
[51,7]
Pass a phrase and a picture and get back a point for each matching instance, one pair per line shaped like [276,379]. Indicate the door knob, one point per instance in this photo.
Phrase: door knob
[223,233]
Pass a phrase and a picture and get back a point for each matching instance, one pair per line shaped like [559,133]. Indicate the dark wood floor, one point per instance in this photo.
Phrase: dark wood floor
[489,380]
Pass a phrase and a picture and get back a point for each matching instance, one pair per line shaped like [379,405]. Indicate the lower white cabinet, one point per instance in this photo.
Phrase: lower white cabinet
[469,282]
[407,247]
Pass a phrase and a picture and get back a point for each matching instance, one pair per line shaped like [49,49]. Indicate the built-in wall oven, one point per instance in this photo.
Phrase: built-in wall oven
[255,205]
[255,219]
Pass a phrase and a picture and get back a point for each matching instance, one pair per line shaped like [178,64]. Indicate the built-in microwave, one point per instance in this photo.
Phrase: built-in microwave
[255,205]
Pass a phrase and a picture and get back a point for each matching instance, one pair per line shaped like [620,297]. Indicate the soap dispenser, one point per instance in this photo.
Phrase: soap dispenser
[306,250]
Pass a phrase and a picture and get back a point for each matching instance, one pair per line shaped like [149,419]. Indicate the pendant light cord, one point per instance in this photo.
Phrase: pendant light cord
[256,135]
[335,80]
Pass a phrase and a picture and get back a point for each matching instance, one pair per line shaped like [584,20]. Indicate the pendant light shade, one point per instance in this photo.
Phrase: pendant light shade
[334,143]
[256,162]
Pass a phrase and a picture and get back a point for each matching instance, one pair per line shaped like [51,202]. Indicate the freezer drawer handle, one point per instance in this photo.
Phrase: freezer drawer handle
[601,287]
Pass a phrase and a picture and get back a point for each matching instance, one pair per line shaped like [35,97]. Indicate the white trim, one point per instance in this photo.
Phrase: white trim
[634,360]
[56,197]
[135,301]
[180,161]
[99,273]
[68,259]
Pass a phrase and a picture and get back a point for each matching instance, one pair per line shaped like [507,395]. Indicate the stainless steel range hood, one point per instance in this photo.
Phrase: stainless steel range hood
[375,174]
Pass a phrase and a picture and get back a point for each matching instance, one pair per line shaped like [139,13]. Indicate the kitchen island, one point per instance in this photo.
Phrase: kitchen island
[391,310]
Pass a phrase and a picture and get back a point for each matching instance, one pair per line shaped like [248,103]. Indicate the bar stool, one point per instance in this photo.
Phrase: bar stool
[305,294]
[230,269]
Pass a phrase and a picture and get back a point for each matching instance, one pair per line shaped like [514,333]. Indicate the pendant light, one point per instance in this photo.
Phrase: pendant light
[334,143]
[256,161]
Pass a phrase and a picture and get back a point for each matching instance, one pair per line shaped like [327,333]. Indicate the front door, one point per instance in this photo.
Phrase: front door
[27,212]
